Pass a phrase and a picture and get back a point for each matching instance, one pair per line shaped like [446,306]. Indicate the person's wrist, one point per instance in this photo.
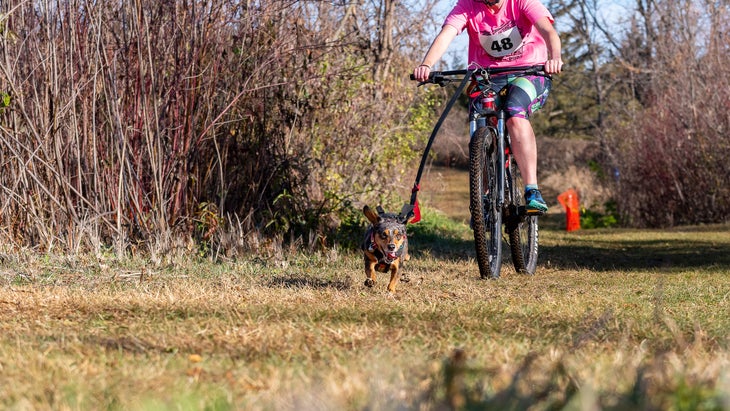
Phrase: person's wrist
[425,65]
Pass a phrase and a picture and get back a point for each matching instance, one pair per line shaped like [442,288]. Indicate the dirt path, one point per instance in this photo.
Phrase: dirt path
[447,190]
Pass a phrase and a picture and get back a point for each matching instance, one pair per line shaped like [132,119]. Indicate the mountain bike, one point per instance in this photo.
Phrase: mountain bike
[496,189]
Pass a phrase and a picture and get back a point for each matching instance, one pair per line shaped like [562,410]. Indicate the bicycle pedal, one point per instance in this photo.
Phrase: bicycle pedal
[523,211]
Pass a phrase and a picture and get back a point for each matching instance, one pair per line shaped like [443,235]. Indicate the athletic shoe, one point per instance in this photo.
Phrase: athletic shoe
[535,203]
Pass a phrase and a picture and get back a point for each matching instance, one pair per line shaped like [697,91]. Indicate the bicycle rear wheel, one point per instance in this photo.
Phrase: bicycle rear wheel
[486,219]
[521,228]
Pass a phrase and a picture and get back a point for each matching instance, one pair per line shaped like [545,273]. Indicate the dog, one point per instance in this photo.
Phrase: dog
[385,245]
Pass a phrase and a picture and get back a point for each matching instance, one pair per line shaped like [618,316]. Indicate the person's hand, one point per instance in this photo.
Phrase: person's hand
[421,72]
[553,66]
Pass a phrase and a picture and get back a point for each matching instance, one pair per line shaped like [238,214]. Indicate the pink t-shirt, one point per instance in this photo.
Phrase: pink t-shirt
[505,39]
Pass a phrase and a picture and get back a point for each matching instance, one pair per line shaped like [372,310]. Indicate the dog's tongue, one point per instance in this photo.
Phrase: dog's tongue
[392,256]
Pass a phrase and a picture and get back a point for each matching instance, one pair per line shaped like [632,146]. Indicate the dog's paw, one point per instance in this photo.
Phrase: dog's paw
[404,278]
[369,282]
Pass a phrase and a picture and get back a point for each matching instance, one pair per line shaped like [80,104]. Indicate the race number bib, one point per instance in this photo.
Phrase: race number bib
[501,44]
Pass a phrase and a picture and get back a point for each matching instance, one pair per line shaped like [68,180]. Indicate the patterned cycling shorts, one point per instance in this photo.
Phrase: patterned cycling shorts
[524,94]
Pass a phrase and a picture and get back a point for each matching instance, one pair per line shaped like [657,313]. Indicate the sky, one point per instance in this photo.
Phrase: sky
[611,11]
[456,56]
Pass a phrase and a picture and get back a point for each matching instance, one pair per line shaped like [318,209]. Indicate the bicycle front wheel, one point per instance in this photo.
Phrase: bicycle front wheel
[521,228]
[486,219]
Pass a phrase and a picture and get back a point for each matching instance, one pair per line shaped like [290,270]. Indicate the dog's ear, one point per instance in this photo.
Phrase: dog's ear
[406,214]
[370,214]
[380,210]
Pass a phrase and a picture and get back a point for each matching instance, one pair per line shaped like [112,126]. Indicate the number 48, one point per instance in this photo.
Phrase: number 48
[504,44]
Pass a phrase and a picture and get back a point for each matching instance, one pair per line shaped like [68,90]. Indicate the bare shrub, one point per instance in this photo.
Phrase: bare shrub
[672,153]
[144,121]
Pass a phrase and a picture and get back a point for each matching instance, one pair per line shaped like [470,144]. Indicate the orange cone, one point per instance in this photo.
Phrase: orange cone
[569,200]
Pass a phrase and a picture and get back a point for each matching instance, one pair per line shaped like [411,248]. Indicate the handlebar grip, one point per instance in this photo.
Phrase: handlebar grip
[412,77]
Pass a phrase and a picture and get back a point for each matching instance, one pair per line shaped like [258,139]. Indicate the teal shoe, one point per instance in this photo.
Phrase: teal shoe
[534,202]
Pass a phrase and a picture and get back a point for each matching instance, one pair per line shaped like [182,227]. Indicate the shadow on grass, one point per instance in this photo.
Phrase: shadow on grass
[638,254]
[599,250]
[309,282]
[447,243]
[617,249]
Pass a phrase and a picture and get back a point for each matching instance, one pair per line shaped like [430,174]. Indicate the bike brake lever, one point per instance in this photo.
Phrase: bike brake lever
[441,81]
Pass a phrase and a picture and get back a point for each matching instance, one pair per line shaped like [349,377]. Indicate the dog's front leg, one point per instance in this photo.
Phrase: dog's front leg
[405,257]
[393,277]
[369,272]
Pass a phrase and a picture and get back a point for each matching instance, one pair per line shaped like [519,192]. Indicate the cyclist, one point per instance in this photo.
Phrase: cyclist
[507,33]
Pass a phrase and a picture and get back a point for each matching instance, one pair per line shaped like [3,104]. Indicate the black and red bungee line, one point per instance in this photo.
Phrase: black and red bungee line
[412,208]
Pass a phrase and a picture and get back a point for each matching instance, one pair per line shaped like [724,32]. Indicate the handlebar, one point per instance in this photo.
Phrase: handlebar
[443,77]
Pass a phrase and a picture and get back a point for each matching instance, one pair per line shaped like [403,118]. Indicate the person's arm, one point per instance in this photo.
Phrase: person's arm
[554,64]
[434,53]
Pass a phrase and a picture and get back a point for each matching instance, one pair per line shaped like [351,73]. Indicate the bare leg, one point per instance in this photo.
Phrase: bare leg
[524,147]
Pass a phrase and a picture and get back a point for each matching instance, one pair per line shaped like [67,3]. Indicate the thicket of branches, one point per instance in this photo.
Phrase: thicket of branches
[143,123]
[654,93]
[673,159]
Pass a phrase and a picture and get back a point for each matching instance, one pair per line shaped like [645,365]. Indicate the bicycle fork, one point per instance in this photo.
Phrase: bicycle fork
[475,122]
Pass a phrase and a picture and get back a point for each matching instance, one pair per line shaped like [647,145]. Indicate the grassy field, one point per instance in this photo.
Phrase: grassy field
[614,319]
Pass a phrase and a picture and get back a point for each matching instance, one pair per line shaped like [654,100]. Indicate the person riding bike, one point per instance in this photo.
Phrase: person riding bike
[507,33]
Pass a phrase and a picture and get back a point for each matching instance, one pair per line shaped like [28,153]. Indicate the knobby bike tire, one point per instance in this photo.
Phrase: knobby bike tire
[522,230]
[486,220]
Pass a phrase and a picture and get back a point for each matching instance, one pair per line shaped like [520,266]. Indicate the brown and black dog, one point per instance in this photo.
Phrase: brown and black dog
[385,246]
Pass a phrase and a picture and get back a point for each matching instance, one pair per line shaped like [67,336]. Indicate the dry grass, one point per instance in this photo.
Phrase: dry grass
[305,333]
[615,319]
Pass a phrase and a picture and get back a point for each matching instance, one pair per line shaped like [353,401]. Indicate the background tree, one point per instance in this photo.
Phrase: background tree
[671,153]
[646,88]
